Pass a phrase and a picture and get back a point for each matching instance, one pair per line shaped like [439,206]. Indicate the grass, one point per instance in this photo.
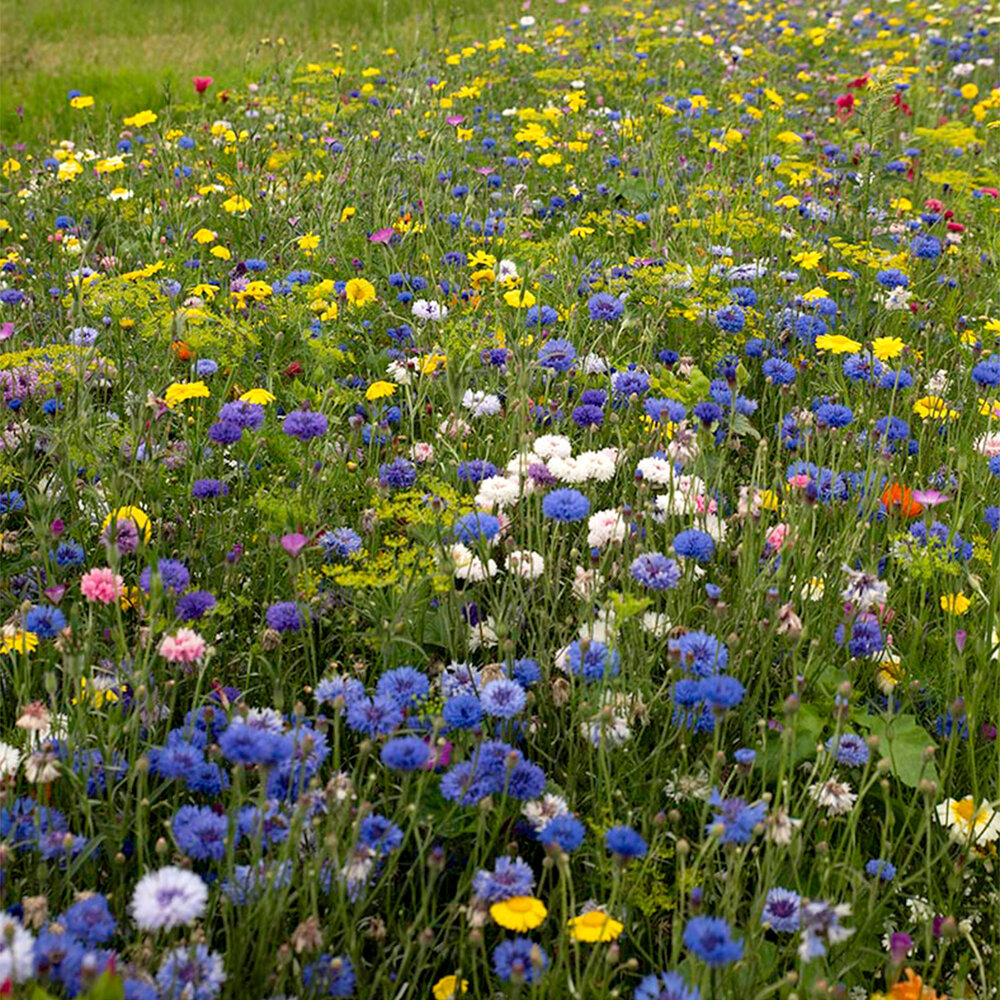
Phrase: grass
[133,54]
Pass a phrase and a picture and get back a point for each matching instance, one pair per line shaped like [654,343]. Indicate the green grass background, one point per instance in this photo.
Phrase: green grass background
[135,54]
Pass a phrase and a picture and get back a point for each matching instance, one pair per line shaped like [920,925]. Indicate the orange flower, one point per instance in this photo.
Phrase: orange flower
[913,989]
[899,498]
[182,350]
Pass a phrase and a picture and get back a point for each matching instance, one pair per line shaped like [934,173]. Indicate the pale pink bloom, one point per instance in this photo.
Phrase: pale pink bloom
[184,646]
[779,535]
[988,445]
[801,481]
[705,505]
[422,452]
[101,584]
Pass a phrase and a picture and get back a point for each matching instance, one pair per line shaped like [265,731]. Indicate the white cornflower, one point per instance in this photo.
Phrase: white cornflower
[834,795]
[168,898]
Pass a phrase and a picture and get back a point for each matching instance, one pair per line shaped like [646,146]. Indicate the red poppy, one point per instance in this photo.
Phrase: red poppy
[845,105]
[295,368]
[899,499]
[202,83]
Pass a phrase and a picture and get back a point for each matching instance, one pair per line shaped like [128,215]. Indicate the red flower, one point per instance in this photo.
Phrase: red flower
[858,84]
[845,105]
[295,368]
[202,83]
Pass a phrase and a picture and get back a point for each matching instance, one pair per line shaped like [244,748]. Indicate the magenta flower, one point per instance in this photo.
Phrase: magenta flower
[294,543]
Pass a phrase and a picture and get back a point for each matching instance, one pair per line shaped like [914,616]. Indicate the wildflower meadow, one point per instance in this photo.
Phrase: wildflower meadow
[513,513]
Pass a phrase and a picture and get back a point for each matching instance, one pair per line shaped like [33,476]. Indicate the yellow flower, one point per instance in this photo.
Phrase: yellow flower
[221,252]
[236,203]
[970,91]
[379,390]
[955,604]
[808,259]
[181,392]
[203,235]
[259,396]
[595,925]
[349,212]
[140,119]
[359,292]
[15,640]
[450,987]
[519,913]
[966,821]
[10,167]
[308,242]
[887,348]
[81,101]
[933,406]
[432,362]
[480,259]
[787,201]
[519,298]
[837,343]
[134,514]
[131,598]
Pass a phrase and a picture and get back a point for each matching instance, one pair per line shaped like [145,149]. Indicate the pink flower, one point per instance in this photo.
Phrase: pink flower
[779,536]
[102,585]
[202,83]
[294,543]
[382,236]
[801,481]
[184,646]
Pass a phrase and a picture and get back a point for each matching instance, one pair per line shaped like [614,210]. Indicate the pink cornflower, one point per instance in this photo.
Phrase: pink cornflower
[779,536]
[184,646]
[101,584]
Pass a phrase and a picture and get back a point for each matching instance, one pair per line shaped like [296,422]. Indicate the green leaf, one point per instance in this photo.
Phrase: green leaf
[903,740]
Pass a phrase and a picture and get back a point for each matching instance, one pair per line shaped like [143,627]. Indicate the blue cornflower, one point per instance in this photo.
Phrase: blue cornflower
[190,973]
[734,819]
[286,616]
[721,692]
[503,699]
[510,877]
[665,986]
[778,372]
[700,653]
[592,660]
[925,247]
[781,910]
[565,832]
[305,424]
[200,832]
[587,416]
[519,960]
[605,307]
[45,621]
[463,712]
[884,871]
[565,505]
[849,749]
[404,685]
[711,940]
[405,753]
[380,835]
[526,672]
[339,543]
[470,527]
[655,571]
[892,278]
[399,474]
[373,716]
[730,319]
[626,843]
[194,605]
[330,975]
[69,553]
[249,745]
[207,489]
[664,410]
[246,416]
[90,921]
[475,471]
[173,574]
[834,415]
[694,544]
[987,373]
[558,355]
[10,501]
[631,382]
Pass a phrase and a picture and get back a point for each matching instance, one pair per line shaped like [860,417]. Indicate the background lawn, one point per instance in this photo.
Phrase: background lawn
[134,54]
